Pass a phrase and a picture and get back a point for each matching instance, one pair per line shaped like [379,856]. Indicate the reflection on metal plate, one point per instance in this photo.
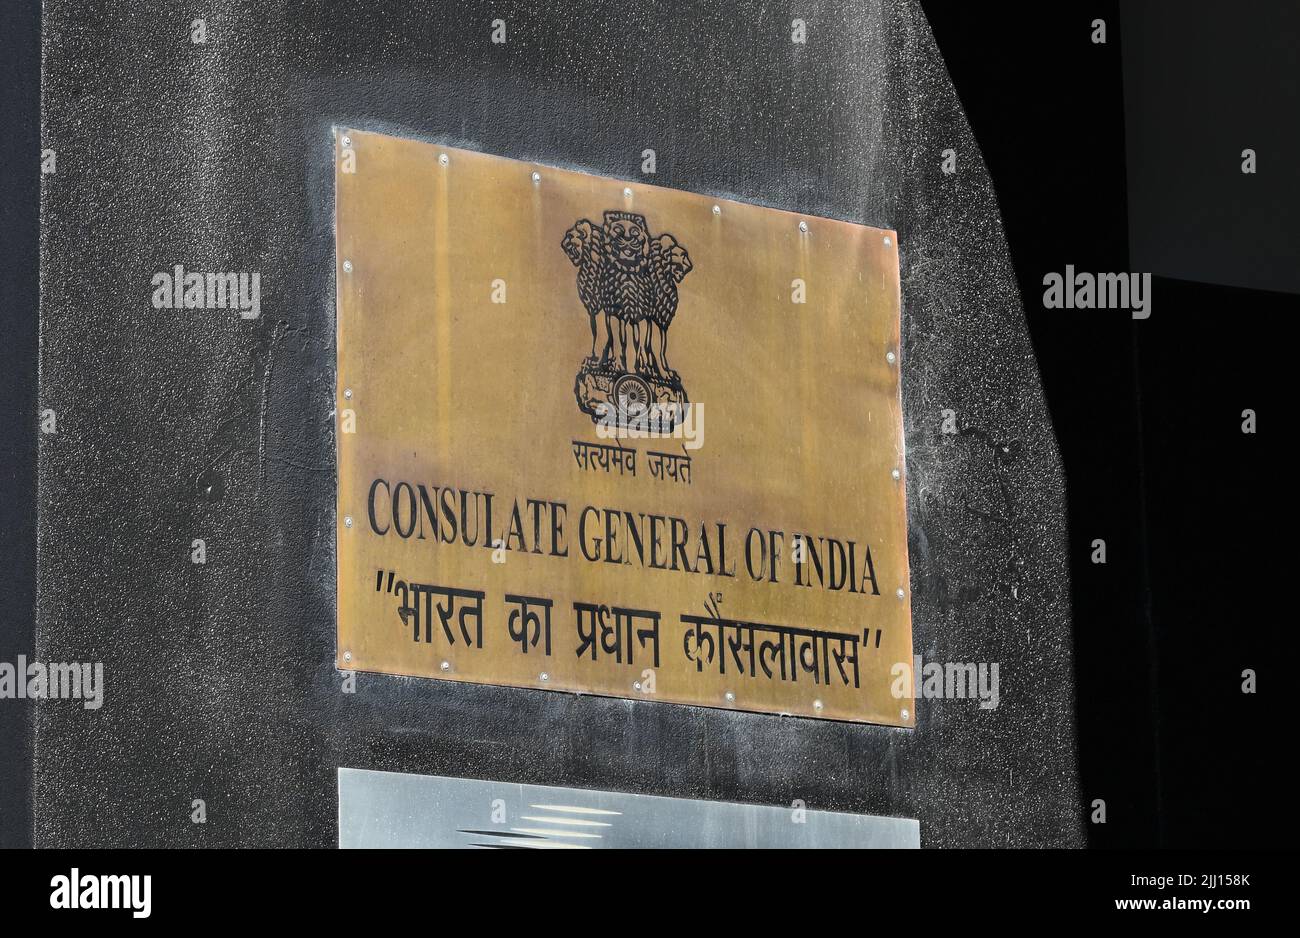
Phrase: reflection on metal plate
[393,809]
[606,437]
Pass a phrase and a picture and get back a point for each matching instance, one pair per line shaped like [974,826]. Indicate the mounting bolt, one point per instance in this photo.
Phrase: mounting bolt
[627,192]
[636,685]
[888,242]
[347,521]
[347,267]
[731,698]
[896,474]
[445,666]
[717,210]
[545,677]
[817,705]
[347,656]
[803,226]
[537,177]
[891,357]
[346,141]
[903,713]
[444,159]
[901,594]
[347,393]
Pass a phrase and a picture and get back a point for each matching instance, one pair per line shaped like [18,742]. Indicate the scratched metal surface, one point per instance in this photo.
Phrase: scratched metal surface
[183,424]
[396,810]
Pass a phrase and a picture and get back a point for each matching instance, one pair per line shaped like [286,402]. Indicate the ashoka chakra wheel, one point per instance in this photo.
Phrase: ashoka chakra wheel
[632,395]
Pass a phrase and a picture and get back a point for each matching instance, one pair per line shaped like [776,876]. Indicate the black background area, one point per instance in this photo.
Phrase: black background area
[1148,413]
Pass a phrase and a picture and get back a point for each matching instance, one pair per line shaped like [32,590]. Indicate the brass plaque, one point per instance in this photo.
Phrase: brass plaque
[603,437]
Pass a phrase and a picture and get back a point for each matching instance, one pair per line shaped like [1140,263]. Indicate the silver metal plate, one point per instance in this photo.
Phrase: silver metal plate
[398,810]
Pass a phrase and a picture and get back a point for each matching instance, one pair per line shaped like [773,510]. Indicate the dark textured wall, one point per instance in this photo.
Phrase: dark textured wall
[176,424]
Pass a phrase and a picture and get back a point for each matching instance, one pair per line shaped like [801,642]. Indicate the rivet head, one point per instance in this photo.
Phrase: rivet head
[817,705]
[346,141]
[888,242]
[347,521]
[896,474]
[717,210]
[900,593]
[347,267]
[803,226]
[445,666]
[444,159]
[636,685]
[891,357]
[903,713]
[347,656]
[544,676]
[627,193]
[537,177]
[347,393]
[731,698]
